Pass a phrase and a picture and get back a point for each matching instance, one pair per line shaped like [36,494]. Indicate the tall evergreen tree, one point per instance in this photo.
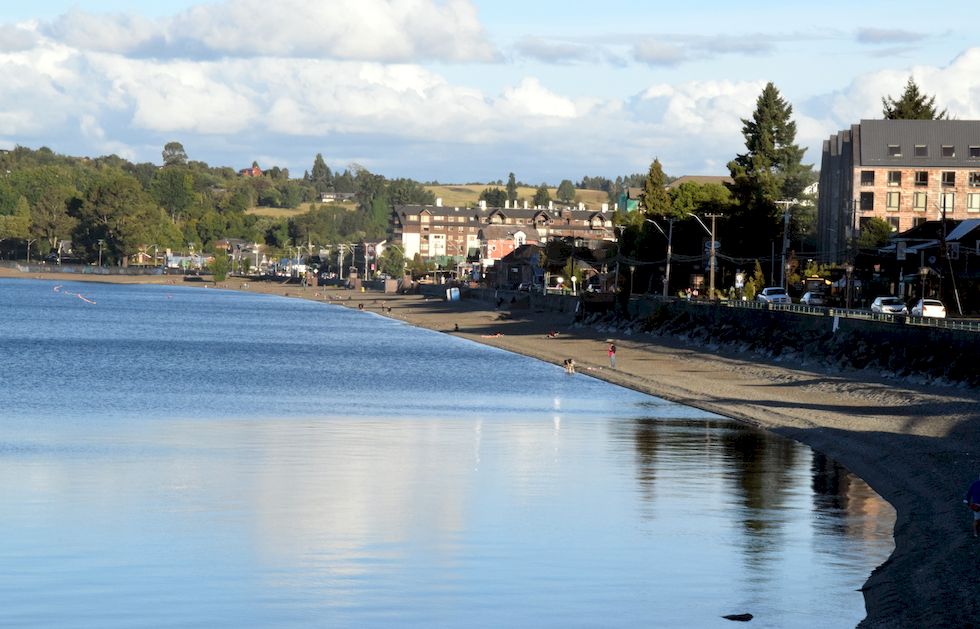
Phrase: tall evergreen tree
[512,188]
[321,177]
[912,105]
[656,200]
[770,170]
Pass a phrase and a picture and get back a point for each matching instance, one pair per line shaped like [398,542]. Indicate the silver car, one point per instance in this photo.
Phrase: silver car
[813,298]
[929,308]
[888,305]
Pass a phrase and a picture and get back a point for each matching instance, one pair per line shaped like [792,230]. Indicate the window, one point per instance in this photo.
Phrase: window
[973,202]
[918,221]
[893,223]
[922,177]
[894,177]
[892,201]
[947,201]
[975,152]
[920,201]
[413,219]
[949,177]
[948,151]
[975,180]
[894,150]
[867,200]
[921,150]
[867,177]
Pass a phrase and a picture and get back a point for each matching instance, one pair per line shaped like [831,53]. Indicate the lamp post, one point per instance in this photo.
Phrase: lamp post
[619,254]
[670,237]
[101,244]
[29,241]
[850,269]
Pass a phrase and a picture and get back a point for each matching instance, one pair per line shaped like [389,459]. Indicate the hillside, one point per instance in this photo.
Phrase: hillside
[469,195]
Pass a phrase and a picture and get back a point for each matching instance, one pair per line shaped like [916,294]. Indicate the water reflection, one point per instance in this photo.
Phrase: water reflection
[359,494]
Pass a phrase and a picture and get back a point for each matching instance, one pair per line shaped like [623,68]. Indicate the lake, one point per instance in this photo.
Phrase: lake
[184,457]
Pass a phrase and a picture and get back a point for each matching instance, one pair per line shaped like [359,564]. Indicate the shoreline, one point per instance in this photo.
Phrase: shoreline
[917,446]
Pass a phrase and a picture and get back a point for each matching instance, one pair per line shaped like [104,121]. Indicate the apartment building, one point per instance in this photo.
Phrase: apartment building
[902,171]
[435,231]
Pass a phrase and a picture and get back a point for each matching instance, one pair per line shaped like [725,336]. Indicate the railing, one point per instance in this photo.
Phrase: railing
[970,325]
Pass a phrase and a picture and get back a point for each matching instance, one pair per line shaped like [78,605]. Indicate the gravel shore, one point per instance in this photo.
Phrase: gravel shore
[917,445]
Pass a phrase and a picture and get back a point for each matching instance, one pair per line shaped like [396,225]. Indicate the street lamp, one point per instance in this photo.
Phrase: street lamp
[101,245]
[669,236]
[619,254]
[850,269]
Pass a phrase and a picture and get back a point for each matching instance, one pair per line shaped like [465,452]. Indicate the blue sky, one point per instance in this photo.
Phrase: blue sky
[463,90]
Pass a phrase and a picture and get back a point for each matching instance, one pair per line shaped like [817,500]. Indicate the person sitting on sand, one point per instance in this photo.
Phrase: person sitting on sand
[552,335]
[972,499]
[490,336]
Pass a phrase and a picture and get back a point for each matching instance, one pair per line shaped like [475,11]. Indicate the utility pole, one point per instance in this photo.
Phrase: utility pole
[669,236]
[711,282]
[782,262]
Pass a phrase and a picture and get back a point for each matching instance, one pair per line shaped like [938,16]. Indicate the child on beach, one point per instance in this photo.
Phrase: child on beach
[612,355]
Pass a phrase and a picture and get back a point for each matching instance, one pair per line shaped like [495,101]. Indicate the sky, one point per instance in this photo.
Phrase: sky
[462,91]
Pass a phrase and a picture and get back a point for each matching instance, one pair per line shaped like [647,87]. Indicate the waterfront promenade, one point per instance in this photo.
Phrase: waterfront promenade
[915,444]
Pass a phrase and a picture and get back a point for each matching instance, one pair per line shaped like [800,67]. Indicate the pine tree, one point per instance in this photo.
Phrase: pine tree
[656,200]
[770,170]
[512,189]
[912,105]
[321,177]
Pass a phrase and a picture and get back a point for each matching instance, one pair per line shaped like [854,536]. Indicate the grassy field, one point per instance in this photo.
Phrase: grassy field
[452,196]
[468,196]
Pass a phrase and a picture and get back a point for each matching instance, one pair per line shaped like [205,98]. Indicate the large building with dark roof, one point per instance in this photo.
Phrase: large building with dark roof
[437,231]
[902,171]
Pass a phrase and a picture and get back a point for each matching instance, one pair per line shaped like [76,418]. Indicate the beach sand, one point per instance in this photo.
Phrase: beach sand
[917,445]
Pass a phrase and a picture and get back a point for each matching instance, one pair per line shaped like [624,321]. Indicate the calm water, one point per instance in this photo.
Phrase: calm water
[196,458]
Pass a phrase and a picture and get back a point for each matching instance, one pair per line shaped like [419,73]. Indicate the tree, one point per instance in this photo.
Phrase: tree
[770,170]
[542,196]
[656,199]
[219,266]
[566,191]
[49,217]
[321,177]
[912,105]
[174,154]
[495,197]
[875,233]
[511,189]
[173,189]
[392,262]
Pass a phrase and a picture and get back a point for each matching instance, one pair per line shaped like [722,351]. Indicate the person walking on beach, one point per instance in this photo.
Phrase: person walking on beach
[612,355]
[972,500]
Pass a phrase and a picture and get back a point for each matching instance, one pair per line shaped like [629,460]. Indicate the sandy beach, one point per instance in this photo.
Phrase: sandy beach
[917,445]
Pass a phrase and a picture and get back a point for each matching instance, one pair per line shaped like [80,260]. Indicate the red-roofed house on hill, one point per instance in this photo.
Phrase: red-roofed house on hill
[254,171]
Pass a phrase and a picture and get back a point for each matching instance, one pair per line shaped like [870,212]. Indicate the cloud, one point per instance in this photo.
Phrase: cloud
[876,36]
[16,38]
[556,51]
[366,30]
[672,50]
[658,53]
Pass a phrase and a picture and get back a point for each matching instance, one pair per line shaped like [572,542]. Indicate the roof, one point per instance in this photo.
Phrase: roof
[963,229]
[700,179]
[483,215]
[877,135]
[929,230]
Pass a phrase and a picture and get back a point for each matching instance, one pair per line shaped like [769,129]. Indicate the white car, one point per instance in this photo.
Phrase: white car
[813,298]
[774,295]
[929,308]
[889,305]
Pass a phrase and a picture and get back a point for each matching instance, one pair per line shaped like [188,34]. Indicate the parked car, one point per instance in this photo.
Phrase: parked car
[888,305]
[929,308]
[813,298]
[774,295]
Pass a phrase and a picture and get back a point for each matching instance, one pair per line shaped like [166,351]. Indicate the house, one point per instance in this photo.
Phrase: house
[902,171]
[338,197]
[254,171]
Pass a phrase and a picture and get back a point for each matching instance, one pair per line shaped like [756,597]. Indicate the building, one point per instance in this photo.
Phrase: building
[437,233]
[902,171]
